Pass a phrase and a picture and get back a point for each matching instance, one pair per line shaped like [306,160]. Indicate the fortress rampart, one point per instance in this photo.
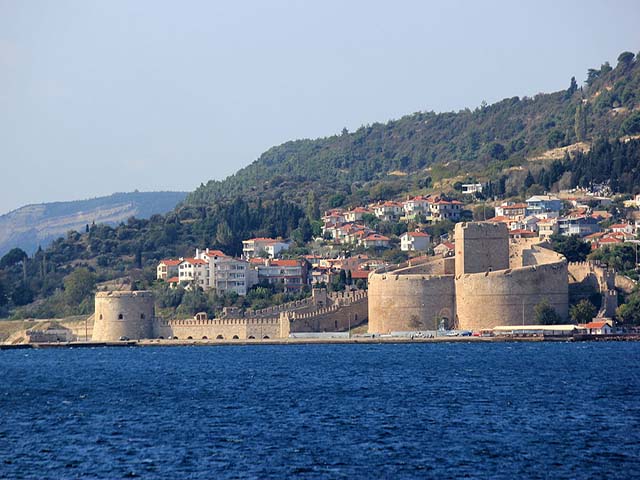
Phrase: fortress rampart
[131,315]
[346,309]
[222,329]
[400,302]
[123,314]
[492,284]
[509,297]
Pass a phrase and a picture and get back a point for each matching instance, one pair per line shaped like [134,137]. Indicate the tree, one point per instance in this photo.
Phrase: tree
[629,312]
[583,312]
[497,151]
[625,59]
[580,123]
[572,88]
[545,314]
[482,212]
[631,125]
[313,209]
[78,286]
[529,180]
[573,247]
[224,235]
[555,139]
[13,257]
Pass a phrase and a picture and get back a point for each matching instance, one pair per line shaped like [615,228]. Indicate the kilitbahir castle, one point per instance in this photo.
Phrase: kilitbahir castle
[489,282]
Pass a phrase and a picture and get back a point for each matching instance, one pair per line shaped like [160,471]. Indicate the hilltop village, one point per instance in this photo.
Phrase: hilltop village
[351,246]
[486,278]
[423,267]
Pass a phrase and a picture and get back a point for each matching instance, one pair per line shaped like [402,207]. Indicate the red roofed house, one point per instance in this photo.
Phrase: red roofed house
[254,247]
[375,240]
[415,241]
[356,214]
[522,233]
[441,209]
[511,210]
[388,211]
[195,271]
[445,249]
[167,268]
[292,274]
[625,228]
[602,327]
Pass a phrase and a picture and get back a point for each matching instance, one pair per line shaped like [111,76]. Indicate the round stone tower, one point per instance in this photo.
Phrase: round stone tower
[123,315]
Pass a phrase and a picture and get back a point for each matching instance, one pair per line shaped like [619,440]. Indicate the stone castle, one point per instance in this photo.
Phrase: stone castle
[131,315]
[487,283]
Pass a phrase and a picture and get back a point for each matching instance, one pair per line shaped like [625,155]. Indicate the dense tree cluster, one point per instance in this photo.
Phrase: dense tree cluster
[486,139]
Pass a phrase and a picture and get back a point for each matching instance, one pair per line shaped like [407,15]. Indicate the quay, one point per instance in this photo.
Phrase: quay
[323,341]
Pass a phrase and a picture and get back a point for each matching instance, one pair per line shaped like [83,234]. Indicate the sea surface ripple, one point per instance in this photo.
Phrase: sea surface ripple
[499,410]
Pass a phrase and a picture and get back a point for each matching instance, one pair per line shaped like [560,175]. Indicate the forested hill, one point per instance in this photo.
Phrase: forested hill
[485,140]
[32,226]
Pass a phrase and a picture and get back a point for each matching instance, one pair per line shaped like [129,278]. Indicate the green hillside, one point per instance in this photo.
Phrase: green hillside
[481,142]
[517,144]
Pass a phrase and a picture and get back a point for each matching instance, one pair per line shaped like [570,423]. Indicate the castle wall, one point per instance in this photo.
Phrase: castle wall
[481,247]
[221,329]
[332,319]
[409,302]
[508,297]
[123,314]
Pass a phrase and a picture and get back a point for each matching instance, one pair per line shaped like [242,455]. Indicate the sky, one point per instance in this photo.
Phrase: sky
[109,96]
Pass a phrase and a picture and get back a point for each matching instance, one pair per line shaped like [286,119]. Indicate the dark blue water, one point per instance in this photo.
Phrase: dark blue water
[547,410]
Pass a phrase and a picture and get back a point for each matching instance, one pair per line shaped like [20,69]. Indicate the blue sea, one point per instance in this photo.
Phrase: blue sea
[458,410]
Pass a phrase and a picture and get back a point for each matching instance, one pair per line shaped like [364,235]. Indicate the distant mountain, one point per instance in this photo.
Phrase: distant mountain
[38,225]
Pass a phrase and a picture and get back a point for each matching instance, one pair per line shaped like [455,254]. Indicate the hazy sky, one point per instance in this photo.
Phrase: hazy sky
[105,96]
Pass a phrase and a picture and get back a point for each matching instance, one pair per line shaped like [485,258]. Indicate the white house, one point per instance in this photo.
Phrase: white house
[254,247]
[375,240]
[388,211]
[194,270]
[470,188]
[167,268]
[415,241]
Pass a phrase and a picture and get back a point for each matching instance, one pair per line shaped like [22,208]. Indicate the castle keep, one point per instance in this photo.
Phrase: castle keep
[487,283]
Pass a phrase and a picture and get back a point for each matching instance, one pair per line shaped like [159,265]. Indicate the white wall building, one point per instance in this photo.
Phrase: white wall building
[415,241]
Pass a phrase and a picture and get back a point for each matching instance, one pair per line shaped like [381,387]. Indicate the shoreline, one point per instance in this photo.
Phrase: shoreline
[324,341]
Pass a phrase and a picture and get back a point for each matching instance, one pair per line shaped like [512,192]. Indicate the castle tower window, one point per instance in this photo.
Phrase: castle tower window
[120,316]
[100,316]
[142,316]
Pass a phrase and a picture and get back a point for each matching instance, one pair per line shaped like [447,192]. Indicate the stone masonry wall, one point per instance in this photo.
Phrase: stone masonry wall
[409,302]
[221,329]
[509,297]
[481,247]
[331,319]
[123,314]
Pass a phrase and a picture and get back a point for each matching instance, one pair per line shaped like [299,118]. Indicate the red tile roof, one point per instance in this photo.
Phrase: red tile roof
[195,261]
[216,253]
[285,263]
[599,324]
[171,263]
[377,236]
[173,280]
[418,234]
[359,274]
